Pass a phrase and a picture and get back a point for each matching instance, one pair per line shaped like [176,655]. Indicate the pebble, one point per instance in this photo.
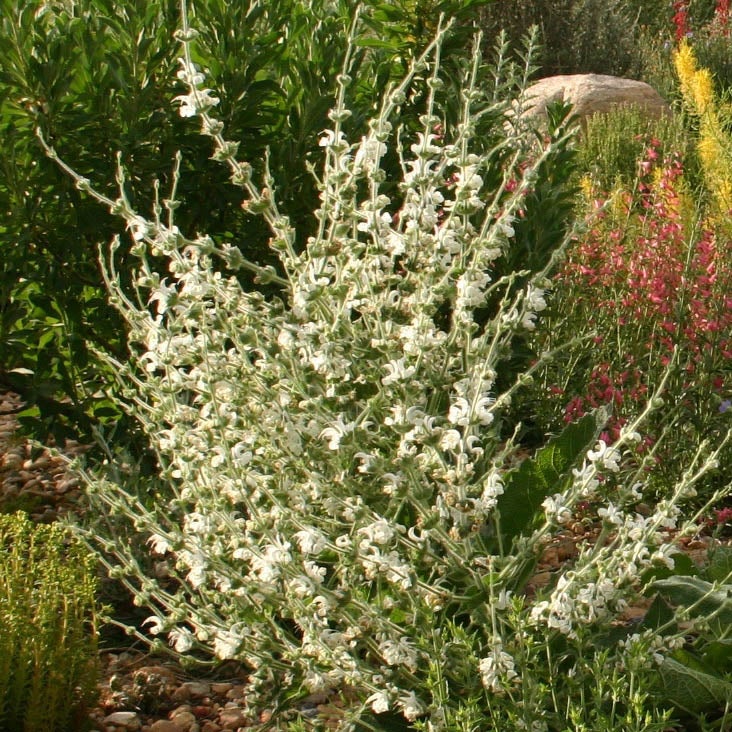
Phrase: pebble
[128,721]
[184,718]
[233,718]
[12,461]
[164,725]
[211,727]
[198,689]
[221,689]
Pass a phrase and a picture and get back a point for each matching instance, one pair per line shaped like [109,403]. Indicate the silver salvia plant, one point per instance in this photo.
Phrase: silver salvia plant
[341,512]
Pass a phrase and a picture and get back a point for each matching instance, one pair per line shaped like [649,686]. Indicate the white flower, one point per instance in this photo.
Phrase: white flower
[496,669]
[157,624]
[557,509]
[586,476]
[379,532]
[535,298]
[379,702]
[399,652]
[241,454]
[424,147]
[310,541]
[483,410]
[336,432]
[181,639]
[459,413]
[471,289]
[611,514]
[314,571]
[190,74]
[159,544]
[200,100]
[608,456]
[450,440]
[528,320]
[665,554]
[227,643]
[492,488]
[411,706]
[139,227]
[398,371]
[197,575]
[197,523]
[328,139]
[369,152]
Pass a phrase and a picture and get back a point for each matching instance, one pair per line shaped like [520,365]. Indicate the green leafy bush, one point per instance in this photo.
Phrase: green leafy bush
[48,628]
[713,50]
[697,677]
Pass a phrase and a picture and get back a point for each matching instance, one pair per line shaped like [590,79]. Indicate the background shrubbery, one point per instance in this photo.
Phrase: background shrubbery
[97,76]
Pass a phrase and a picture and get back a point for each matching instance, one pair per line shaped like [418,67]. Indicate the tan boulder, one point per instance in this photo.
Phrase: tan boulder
[592,94]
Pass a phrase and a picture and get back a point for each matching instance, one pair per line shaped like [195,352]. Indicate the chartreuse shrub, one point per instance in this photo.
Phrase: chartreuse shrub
[343,509]
[48,627]
[614,144]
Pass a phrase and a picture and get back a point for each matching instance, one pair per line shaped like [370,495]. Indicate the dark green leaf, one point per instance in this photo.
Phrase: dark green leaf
[526,487]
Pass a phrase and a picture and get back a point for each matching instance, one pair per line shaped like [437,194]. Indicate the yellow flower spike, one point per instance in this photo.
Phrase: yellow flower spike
[703,91]
[713,145]
[685,64]
[587,188]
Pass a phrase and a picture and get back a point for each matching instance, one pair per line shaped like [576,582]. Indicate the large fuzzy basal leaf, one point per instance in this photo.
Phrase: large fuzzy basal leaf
[526,487]
[699,599]
[687,683]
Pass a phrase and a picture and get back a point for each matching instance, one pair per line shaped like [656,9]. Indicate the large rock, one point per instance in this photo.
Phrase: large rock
[592,94]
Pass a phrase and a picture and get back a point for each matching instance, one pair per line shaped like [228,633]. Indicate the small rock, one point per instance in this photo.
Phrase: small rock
[221,688]
[233,718]
[12,461]
[183,718]
[181,694]
[165,725]
[236,692]
[198,689]
[127,720]
[211,727]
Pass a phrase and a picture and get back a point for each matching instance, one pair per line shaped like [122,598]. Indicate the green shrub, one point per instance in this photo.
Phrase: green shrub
[712,47]
[612,145]
[96,76]
[48,628]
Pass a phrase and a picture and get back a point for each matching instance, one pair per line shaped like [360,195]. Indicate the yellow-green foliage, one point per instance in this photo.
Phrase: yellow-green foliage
[48,628]
[613,144]
[714,144]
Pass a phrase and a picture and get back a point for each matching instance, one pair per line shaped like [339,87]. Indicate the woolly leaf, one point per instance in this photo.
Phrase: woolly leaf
[690,685]
[699,598]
